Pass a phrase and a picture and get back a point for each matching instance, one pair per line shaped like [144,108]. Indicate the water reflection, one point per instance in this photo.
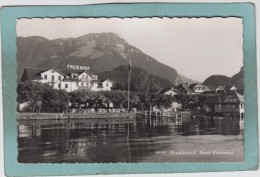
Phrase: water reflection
[88,141]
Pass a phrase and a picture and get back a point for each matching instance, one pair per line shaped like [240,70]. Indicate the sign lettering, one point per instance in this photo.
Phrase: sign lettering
[77,67]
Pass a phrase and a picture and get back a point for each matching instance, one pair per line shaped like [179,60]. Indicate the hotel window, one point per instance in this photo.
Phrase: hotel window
[59,77]
[45,77]
[66,85]
[58,85]
[52,71]
[107,84]
[52,77]
[77,84]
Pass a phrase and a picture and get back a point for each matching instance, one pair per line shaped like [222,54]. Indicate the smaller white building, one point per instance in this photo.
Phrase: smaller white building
[106,84]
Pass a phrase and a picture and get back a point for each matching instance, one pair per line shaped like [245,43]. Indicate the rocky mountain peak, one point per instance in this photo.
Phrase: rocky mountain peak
[100,51]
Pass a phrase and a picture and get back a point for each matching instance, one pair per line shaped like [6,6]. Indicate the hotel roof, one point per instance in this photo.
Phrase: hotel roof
[70,71]
[33,73]
[103,80]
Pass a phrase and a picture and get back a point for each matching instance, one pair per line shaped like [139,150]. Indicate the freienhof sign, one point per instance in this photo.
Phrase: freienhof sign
[77,67]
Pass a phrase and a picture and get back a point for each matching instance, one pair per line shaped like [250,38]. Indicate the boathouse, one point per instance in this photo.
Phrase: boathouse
[231,103]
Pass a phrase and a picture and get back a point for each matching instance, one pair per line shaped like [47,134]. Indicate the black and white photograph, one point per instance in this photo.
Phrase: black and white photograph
[133,90]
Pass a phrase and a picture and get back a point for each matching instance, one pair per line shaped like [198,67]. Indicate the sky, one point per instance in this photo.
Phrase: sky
[196,47]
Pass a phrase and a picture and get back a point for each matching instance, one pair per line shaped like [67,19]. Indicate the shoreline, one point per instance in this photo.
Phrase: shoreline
[90,115]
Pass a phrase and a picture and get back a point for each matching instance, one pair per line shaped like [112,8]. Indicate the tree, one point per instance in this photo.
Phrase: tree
[64,99]
[40,96]
[31,92]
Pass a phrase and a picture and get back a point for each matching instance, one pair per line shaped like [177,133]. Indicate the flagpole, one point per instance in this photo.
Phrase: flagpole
[128,100]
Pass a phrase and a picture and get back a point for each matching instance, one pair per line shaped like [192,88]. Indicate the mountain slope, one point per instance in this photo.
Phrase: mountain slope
[216,80]
[140,79]
[185,79]
[239,78]
[101,51]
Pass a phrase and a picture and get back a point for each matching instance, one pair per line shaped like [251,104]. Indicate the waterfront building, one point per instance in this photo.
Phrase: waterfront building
[198,88]
[169,91]
[231,103]
[69,80]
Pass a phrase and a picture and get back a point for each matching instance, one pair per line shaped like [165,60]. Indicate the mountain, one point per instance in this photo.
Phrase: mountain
[101,51]
[185,79]
[140,79]
[238,78]
[216,80]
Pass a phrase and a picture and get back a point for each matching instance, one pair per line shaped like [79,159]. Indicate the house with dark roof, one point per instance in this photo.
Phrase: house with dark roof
[198,88]
[227,103]
[169,91]
[184,88]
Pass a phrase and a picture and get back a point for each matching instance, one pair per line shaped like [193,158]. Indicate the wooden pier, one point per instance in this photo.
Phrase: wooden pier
[163,115]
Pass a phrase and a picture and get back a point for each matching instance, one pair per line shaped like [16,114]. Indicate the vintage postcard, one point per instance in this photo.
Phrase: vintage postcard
[109,90]
[127,90]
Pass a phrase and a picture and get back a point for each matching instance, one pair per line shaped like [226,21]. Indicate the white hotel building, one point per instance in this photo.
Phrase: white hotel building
[69,80]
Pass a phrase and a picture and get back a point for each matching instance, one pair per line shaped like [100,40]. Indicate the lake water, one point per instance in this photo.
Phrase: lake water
[89,141]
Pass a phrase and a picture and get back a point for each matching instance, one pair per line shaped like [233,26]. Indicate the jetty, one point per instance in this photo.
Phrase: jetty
[157,115]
